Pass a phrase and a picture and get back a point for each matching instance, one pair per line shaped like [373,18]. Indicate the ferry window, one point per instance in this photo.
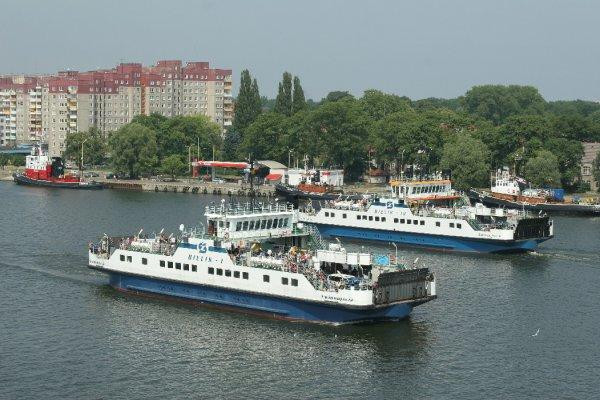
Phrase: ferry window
[128,258]
[326,213]
[458,226]
[370,218]
[245,275]
[144,261]
[227,224]
[285,222]
[401,220]
[122,257]
[396,220]
[257,225]
[162,263]
[408,221]
[294,282]
[451,224]
[211,270]
[219,272]
[177,265]
[284,281]
[236,274]
[376,218]
[186,267]
[437,224]
[358,217]
[422,222]
[364,217]
[382,219]
[333,214]
[416,221]
[238,226]
[245,227]
[227,273]
[170,264]
[344,215]
[265,278]
[251,225]
[281,222]
[263,224]
[194,268]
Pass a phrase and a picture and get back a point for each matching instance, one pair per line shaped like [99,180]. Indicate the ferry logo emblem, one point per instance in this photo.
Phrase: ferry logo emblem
[202,247]
[390,204]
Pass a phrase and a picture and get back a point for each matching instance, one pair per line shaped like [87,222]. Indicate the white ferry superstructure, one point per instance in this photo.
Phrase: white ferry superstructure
[429,213]
[262,260]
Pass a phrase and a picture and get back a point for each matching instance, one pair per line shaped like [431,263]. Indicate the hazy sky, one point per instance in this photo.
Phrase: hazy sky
[418,48]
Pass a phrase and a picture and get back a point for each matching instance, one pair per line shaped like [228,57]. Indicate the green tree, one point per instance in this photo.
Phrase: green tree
[153,121]
[298,100]
[342,128]
[542,170]
[263,138]
[596,170]
[283,102]
[378,104]
[246,106]
[468,159]
[177,134]
[498,102]
[94,147]
[231,145]
[173,165]
[133,150]
[336,95]
[569,154]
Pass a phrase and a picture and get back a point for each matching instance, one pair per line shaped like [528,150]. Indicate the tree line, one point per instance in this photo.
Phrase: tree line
[489,127]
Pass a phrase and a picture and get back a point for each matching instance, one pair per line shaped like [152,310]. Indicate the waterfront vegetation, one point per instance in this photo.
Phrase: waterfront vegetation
[491,126]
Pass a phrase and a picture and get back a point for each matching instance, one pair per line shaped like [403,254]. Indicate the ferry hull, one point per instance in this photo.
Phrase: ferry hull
[432,241]
[24,180]
[252,303]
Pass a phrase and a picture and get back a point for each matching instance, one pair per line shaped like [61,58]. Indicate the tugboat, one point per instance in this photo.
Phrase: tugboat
[259,259]
[429,213]
[510,191]
[41,170]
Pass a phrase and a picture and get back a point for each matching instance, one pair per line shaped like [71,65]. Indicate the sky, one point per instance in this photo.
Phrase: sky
[417,48]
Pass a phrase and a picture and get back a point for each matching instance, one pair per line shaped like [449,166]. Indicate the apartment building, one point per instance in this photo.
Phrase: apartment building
[49,108]
[590,152]
[20,110]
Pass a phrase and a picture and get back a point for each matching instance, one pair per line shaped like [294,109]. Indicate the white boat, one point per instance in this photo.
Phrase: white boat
[429,213]
[261,259]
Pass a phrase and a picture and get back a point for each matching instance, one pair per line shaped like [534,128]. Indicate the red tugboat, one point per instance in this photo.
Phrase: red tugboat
[41,170]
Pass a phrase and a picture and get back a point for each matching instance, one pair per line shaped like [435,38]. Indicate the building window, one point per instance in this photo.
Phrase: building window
[211,270]
[122,257]
[186,267]
[245,275]
[144,261]
[162,263]
[265,278]
[219,272]
[170,264]
[294,282]
[236,274]
[128,258]
[194,268]
[228,273]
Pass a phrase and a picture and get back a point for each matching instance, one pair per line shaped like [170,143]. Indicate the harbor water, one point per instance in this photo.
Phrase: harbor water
[503,326]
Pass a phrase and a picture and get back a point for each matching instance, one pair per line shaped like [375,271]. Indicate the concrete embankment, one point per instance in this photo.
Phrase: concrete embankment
[189,186]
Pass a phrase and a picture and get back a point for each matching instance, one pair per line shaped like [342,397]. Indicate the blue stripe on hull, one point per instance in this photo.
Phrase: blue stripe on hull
[431,241]
[275,307]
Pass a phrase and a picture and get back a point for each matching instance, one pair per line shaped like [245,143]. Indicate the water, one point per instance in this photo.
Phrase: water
[65,334]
